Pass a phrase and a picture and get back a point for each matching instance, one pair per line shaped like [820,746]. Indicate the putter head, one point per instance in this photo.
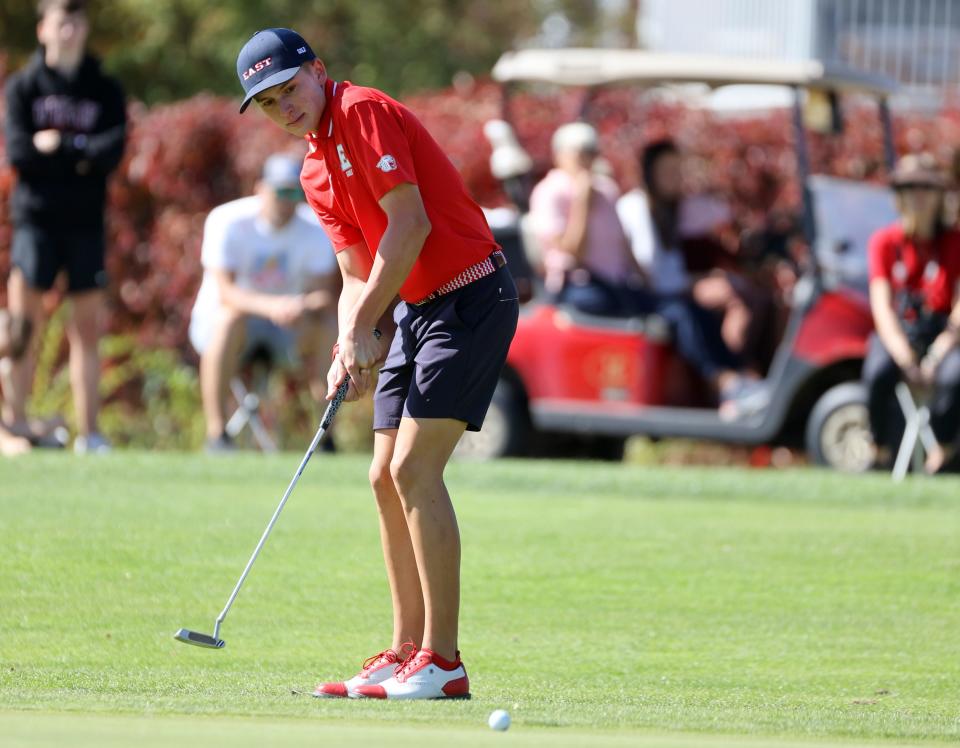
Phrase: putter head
[198,640]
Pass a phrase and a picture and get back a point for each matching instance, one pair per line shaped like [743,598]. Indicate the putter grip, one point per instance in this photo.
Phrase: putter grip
[340,395]
[335,404]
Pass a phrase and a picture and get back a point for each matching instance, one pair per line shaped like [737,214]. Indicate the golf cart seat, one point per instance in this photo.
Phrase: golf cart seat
[652,326]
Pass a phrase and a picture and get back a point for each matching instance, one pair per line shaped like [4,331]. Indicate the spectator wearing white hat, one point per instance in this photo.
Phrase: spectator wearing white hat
[270,281]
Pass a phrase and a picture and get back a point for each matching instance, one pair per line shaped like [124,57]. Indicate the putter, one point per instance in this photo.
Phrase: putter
[215,642]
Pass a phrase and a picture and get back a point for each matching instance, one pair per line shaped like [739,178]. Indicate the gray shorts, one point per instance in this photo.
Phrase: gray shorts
[280,343]
[447,354]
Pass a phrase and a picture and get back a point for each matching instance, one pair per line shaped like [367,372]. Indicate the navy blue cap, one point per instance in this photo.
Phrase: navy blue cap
[270,57]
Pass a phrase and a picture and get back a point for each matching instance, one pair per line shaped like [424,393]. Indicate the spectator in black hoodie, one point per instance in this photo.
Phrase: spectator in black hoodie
[66,123]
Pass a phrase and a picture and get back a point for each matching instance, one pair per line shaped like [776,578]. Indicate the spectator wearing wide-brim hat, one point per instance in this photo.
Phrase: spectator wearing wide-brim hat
[915,300]
[918,170]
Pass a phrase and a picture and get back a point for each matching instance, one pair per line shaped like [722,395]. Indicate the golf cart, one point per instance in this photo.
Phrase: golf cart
[569,373]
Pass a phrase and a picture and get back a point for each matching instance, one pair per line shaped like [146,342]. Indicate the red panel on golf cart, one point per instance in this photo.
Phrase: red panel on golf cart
[836,328]
[558,354]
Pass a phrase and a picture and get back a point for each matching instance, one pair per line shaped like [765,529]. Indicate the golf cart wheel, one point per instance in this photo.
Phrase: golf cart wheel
[505,429]
[838,430]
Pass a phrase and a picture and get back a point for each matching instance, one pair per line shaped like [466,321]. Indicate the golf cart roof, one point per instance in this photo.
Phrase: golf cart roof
[597,67]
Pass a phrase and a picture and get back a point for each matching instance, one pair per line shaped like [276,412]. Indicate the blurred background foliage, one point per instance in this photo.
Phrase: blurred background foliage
[164,50]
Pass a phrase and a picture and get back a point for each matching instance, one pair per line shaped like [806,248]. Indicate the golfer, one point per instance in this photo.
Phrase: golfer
[401,222]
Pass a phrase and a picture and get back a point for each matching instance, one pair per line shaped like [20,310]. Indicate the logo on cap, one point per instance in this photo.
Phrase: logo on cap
[387,163]
[257,67]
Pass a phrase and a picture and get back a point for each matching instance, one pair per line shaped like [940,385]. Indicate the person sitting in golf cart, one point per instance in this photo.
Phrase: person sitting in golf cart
[669,234]
[589,265]
[915,299]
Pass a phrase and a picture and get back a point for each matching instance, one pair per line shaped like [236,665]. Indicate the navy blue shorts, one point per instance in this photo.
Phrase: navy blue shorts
[447,354]
[41,253]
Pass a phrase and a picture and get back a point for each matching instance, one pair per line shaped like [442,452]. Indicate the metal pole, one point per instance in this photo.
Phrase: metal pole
[803,172]
[884,37]
[947,33]
[855,35]
[916,42]
[886,122]
[899,46]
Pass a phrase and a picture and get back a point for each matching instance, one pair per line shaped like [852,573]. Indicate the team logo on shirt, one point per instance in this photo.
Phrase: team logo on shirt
[345,164]
[387,163]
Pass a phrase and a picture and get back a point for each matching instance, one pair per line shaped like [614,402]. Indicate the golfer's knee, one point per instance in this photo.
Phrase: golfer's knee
[411,476]
[381,481]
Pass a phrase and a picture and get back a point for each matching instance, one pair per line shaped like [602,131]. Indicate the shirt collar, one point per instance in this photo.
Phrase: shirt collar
[332,89]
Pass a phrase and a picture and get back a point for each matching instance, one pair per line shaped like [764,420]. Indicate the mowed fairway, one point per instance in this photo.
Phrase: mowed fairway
[602,605]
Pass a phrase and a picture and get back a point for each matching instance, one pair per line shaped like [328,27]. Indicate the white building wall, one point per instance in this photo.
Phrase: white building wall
[915,41]
[778,29]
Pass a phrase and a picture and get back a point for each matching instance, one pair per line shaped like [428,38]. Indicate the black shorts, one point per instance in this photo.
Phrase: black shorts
[447,354]
[41,253]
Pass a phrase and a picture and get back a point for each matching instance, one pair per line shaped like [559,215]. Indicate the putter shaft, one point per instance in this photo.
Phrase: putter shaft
[325,422]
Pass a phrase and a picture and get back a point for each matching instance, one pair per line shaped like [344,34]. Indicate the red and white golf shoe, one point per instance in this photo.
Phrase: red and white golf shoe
[423,675]
[375,670]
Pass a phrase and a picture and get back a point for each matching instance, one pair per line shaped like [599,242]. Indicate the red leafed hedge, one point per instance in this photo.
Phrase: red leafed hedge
[183,159]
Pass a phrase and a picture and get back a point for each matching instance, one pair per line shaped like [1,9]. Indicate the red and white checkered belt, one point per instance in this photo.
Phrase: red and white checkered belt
[482,269]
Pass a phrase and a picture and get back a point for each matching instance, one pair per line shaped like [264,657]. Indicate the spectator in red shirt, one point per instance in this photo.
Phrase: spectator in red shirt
[915,299]
[401,222]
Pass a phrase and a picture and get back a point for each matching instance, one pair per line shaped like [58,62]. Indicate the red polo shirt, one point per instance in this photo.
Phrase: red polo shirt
[365,145]
[931,269]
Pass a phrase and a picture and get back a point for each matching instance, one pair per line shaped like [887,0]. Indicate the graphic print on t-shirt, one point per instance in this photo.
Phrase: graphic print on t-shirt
[270,271]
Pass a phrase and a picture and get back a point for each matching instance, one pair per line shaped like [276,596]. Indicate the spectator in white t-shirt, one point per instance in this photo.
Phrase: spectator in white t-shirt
[270,280]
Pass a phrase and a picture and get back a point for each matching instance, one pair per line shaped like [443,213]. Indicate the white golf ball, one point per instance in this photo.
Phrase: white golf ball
[499,720]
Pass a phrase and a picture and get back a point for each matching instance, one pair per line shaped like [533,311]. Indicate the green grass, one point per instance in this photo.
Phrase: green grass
[602,605]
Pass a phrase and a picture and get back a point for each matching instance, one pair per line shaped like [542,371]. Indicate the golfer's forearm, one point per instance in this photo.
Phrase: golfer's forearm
[398,251]
[349,296]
